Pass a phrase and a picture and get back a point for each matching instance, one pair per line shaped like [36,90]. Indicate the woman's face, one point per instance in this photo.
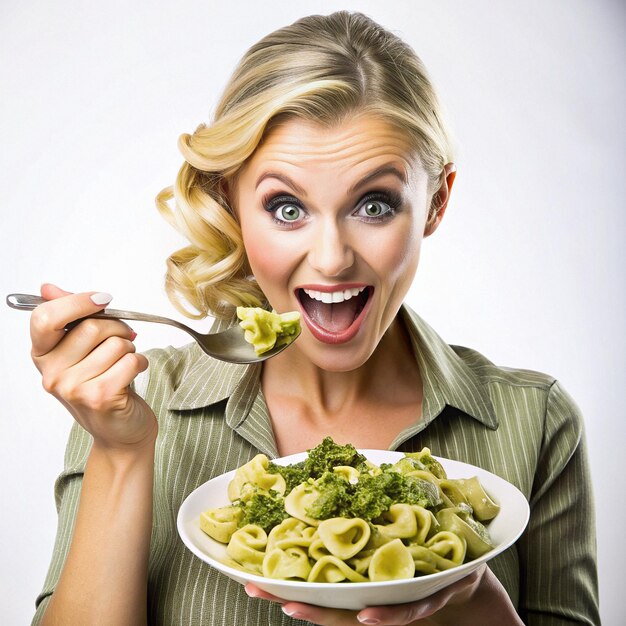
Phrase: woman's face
[333,221]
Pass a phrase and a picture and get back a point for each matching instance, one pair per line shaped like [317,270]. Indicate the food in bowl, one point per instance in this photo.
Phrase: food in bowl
[337,517]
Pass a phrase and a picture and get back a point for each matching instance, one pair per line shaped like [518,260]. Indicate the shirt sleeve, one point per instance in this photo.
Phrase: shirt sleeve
[558,551]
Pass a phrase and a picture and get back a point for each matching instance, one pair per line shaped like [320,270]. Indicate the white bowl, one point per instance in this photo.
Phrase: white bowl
[504,530]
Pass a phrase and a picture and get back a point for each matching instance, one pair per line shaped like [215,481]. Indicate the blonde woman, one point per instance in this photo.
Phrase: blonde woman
[326,165]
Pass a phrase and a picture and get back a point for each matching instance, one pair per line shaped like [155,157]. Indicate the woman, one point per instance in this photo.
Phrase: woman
[326,165]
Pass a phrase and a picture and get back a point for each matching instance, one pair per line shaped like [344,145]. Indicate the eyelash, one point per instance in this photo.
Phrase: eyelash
[390,198]
[272,202]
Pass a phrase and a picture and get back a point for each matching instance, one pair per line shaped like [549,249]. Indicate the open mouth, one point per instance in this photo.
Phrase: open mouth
[334,316]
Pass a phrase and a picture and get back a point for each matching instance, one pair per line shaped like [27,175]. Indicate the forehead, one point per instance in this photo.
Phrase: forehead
[351,148]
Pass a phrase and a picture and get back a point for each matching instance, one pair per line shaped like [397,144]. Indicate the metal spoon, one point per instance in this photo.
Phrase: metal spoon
[228,345]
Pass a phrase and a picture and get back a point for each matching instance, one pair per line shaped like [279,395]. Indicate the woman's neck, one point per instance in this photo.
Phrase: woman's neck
[387,382]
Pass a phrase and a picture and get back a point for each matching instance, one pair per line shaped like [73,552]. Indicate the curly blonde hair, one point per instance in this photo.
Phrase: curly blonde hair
[321,69]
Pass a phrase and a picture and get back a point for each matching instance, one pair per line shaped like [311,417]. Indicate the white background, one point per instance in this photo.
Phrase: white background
[528,266]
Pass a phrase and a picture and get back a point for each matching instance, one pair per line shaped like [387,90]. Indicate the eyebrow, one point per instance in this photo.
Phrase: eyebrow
[283,179]
[377,173]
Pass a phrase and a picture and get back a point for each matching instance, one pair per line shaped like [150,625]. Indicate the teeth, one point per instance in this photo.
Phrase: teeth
[330,297]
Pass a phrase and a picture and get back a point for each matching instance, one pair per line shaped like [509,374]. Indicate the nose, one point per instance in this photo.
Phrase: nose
[330,252]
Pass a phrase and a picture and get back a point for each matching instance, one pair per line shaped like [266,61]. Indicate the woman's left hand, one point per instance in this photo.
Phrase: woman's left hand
[479,598]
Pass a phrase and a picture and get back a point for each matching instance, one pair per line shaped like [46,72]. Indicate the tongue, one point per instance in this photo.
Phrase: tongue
[334,317]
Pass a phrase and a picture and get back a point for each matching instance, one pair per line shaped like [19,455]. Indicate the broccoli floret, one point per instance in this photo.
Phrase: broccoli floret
[264,508]
[329,454]
[293,474]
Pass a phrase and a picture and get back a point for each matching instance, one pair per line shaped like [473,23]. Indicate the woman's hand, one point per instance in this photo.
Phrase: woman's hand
[479,598]
[90,367]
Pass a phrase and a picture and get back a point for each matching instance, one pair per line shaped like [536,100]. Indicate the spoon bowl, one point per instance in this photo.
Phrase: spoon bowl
[229,345]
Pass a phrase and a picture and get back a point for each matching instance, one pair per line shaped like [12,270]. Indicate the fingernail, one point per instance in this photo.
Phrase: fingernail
[370,621]
[292,613]
[133,335]
[101,298]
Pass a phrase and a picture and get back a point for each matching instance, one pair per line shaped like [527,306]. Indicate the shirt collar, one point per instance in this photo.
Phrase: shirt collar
[207,380]
[448,379]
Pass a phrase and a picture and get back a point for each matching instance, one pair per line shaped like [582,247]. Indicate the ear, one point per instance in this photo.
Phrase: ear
[440,199]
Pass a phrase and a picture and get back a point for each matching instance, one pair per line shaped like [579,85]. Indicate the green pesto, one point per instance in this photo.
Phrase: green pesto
[328,454]
[371,496]
[265,509]
[293,474]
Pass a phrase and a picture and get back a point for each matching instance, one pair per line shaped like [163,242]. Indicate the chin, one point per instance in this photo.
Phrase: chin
[345,357]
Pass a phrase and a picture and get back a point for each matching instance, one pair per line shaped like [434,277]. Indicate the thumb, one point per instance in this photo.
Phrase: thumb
[51,292]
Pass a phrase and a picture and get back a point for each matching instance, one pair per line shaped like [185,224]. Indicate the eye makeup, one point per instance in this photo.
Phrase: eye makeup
[390,198]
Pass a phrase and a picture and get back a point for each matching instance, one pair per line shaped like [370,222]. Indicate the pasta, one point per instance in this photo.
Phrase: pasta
[268,329]
[336,517]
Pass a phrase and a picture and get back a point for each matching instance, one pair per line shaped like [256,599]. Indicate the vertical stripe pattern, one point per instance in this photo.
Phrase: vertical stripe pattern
[213,418]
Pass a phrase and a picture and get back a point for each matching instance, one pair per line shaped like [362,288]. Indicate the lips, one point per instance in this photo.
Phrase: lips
[334,314]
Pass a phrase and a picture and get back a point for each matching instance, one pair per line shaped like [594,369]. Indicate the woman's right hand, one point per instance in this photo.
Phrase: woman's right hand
[90,367]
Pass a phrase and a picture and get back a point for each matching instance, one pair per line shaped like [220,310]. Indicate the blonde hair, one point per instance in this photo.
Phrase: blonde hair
[321,68]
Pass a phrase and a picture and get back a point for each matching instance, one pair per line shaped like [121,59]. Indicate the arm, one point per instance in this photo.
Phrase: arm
[104,579]
[558,550]
[89,369]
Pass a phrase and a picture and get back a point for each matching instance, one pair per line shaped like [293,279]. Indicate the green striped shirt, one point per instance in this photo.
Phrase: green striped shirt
[213,418]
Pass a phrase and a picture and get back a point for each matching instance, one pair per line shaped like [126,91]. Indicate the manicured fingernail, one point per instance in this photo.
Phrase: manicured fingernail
[133,335]
[370,621]
[292,613]
[101,298]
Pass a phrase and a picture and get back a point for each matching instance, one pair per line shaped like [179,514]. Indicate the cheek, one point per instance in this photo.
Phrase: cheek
[270,263]
[397,256]
[258,254]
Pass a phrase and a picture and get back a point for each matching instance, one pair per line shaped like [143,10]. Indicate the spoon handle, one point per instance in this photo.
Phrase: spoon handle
[28,302]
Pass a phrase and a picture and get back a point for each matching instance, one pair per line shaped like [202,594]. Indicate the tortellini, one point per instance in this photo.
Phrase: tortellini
[299,500]
[220,523]
[344,538]
[255,473]
[247,546]
[266,329]
[291,563]
[392,561]
[406,540]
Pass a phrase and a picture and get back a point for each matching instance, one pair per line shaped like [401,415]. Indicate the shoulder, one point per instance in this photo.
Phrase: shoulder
[168,367]
[492,374]
[524,390]
[172,362]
